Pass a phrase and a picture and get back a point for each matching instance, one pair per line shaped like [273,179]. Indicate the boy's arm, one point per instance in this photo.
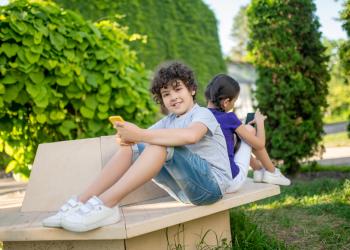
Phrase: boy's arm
[164,137]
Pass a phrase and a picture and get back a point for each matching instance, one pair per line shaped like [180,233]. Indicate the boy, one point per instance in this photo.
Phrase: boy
[185,154]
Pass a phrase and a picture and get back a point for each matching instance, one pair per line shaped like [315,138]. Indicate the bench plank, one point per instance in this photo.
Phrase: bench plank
[61,169]
[156,214]
[139,219]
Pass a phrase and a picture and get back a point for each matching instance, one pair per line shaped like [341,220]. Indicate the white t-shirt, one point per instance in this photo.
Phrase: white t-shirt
[212,147]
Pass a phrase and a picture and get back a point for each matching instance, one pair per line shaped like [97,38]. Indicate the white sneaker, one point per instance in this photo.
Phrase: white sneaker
[258,175]
[69,207]
[276,178]
[93,214]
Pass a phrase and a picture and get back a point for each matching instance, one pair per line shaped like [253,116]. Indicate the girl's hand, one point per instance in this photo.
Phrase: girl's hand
[258,118]
[129,132]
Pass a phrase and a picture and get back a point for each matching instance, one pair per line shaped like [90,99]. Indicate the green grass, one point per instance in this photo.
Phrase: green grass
[307,215]
[312,168]
[340,139]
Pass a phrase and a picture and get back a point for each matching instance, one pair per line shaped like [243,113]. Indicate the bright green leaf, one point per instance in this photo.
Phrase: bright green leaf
[86,112]
[103,108]
[10,49]
[57,115]
[18,26]
[41,118]
[37,77]
[57,40]
[2,89]
[33,89]
[8,79]
[12,92]
[91,102]
[31,57]
[64,81]
[11,166]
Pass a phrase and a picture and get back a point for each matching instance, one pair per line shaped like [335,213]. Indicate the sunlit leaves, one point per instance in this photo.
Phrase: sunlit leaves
[58,75]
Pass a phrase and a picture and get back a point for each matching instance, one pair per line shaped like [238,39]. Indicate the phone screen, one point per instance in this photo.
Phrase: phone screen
[250,117]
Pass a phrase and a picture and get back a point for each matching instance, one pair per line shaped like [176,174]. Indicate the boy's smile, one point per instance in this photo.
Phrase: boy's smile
[177,98]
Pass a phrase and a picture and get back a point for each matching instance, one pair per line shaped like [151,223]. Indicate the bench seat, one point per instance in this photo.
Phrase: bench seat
[138,219]
[151,219]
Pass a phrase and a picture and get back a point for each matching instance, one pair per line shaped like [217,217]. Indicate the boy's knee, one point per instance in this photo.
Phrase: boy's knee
[250,128]
[166,150]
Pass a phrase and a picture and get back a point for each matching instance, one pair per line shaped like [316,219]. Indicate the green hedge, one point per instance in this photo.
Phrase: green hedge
[184,30]
[345,48]
[61,77]
[292,76]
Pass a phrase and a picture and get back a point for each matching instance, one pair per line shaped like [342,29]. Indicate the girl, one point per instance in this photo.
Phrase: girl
[221,94]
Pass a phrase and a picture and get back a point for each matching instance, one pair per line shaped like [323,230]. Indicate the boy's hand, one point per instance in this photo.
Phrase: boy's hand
[129,132]
[122,142]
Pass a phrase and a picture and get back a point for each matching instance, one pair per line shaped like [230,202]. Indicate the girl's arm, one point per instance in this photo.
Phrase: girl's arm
[256,141]
[164,137]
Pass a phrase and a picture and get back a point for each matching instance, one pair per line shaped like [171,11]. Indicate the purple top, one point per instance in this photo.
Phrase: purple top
[229,122]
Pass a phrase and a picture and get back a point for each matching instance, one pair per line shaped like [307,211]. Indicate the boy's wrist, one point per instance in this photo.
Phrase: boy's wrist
[143,134]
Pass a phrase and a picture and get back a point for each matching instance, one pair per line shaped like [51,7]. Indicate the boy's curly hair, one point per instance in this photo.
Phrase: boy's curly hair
[168,74]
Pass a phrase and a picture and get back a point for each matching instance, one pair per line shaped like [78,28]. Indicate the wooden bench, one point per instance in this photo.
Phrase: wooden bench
[151,218]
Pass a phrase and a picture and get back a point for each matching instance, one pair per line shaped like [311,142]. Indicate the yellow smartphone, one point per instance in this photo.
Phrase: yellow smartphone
[115,118]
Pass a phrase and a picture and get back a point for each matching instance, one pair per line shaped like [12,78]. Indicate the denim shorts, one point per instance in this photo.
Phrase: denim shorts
[185,176]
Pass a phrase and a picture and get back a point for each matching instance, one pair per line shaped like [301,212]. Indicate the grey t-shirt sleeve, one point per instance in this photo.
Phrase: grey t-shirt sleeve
[207,118]
[159,124]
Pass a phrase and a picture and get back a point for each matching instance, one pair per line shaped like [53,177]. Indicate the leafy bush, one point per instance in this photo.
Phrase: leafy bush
[182,29]
[338,100]
[61,77]
[345,48]
[292,76]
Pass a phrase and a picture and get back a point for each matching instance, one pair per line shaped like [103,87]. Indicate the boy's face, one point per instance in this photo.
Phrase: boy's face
[177,98]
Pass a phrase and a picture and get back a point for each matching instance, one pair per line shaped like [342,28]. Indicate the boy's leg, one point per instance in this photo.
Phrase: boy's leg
[166,181]
[112,172]
[193,177]
[147,165]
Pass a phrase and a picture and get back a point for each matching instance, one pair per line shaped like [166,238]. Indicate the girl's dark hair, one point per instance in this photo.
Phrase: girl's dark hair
[168,74]
[220,88]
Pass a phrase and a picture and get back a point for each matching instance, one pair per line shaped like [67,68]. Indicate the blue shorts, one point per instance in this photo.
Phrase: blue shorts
[185,176]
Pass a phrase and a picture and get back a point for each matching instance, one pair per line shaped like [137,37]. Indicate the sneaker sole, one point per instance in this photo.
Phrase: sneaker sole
[81,228]
[275,183]
[45,224]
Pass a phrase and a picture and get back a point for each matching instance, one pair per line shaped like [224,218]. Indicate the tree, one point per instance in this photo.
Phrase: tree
[175,30]
[240,35]
[292,76]
[338,100]
[345,48]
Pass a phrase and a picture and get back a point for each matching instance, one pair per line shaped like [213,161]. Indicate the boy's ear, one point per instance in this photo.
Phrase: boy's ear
[193,92]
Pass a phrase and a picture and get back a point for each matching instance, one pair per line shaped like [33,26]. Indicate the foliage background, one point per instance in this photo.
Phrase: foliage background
[338,98]
[289,57]
[175,30]
[61,77]
[345,48]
